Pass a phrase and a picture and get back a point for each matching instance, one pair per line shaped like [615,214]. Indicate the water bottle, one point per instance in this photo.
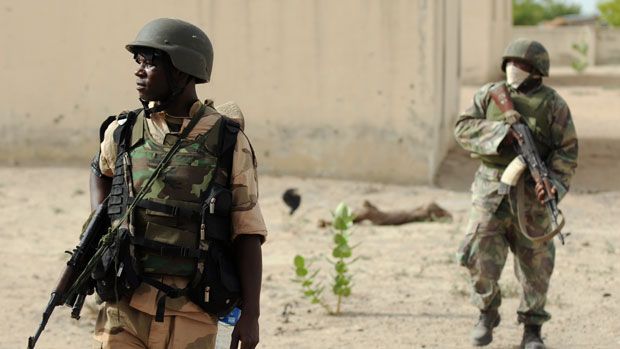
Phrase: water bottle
[225,327]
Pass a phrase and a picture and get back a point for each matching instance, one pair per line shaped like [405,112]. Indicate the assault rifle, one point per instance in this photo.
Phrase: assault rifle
[529,154]
[80,256]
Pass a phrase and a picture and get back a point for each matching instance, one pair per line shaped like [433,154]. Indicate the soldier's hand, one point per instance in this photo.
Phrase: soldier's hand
[512,137]
[540,190]
[511,116]
[246,331]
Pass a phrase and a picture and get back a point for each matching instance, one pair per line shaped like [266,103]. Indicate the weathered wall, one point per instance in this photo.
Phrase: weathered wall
[448,88]
[347,89]
[559,41]
[607,46]
[603,43]
[486,30]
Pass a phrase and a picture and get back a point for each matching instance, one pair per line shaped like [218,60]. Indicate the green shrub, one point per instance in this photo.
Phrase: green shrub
[342,252]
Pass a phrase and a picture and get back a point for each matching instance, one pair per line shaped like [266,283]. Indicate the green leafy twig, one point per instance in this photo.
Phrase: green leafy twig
[309,287]
[342,252]
[580,63]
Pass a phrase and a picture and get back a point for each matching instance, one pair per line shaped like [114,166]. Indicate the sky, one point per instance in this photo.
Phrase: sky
[587,6]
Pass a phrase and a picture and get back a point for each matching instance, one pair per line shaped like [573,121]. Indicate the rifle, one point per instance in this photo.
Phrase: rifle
[80,256]
[529,157]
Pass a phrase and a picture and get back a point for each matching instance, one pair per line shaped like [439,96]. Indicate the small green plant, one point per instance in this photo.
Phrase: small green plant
[310,289]
[342,252]
[580,62]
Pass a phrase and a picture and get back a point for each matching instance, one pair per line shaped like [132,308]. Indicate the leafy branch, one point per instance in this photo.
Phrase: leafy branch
[342,252]
[580,63]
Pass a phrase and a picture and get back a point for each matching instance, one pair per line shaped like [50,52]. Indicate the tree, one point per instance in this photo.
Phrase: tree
[532,12]
[610,12]
[526,12]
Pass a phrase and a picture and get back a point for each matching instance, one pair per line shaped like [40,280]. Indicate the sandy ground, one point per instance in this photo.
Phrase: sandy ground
[408,291]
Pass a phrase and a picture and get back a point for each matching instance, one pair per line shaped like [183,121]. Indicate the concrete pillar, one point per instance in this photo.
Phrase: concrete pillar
[486,30]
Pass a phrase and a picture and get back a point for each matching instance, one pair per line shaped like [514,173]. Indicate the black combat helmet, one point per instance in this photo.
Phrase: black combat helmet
[529,51]
[189,48]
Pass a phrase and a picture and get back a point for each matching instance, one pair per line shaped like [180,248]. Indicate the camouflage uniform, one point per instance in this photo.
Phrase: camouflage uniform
[492,226]
[131,322]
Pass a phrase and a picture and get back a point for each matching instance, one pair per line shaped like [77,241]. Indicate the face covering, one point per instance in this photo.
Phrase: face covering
[515,76]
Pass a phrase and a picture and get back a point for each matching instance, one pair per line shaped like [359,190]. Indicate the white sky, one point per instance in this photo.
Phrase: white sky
[587,6]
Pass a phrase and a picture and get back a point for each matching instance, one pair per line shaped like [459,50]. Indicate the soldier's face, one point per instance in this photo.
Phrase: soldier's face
[151,82]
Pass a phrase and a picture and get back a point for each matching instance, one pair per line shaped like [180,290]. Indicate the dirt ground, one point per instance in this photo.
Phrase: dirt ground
[408,292]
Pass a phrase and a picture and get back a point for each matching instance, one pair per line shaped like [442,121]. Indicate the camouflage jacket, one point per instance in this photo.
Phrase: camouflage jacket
[476,133]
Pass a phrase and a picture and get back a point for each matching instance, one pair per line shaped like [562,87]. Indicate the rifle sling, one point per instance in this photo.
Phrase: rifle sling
[108,238]
[521,217]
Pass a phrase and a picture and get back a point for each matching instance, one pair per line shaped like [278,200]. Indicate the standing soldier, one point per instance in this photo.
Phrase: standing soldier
[495,222]
[191,245]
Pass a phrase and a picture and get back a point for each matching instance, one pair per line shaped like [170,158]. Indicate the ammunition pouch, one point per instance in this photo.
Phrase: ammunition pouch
[114,275]
[218,289]
[215,224]
[215,285]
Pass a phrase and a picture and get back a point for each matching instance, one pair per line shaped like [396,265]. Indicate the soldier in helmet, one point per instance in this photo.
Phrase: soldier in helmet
[193,240]
[493,226]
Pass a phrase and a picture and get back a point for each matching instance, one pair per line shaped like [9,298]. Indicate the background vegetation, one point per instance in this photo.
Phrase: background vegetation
[610,12]
[533,12]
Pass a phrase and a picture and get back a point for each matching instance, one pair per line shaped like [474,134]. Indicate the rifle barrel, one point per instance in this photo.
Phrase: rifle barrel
[53,302]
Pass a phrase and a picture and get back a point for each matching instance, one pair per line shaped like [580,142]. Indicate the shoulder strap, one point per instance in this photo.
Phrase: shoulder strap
[137,132]
[104,126]
[501,97]
[123,133]
[229,130]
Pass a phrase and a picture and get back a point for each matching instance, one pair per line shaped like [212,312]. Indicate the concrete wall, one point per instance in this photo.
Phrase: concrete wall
[603,43]
[559,41]
[356,89]
[608,46]
[486,31]
[448,44]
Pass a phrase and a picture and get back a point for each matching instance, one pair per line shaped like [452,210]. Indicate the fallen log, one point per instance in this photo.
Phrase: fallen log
[430,212]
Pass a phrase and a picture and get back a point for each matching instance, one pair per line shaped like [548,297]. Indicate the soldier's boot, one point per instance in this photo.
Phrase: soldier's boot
[482,333]
[531,338]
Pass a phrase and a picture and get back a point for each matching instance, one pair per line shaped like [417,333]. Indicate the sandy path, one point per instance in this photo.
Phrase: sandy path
[408,291]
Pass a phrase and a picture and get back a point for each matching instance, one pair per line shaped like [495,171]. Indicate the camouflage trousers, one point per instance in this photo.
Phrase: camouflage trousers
[484,251]
[121,326]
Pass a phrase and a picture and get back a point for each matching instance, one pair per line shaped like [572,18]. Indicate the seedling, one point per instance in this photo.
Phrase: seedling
[580,62]
[342,252]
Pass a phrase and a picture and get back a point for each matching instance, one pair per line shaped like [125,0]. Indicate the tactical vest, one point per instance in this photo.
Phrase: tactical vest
[535,109]
[181,227]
